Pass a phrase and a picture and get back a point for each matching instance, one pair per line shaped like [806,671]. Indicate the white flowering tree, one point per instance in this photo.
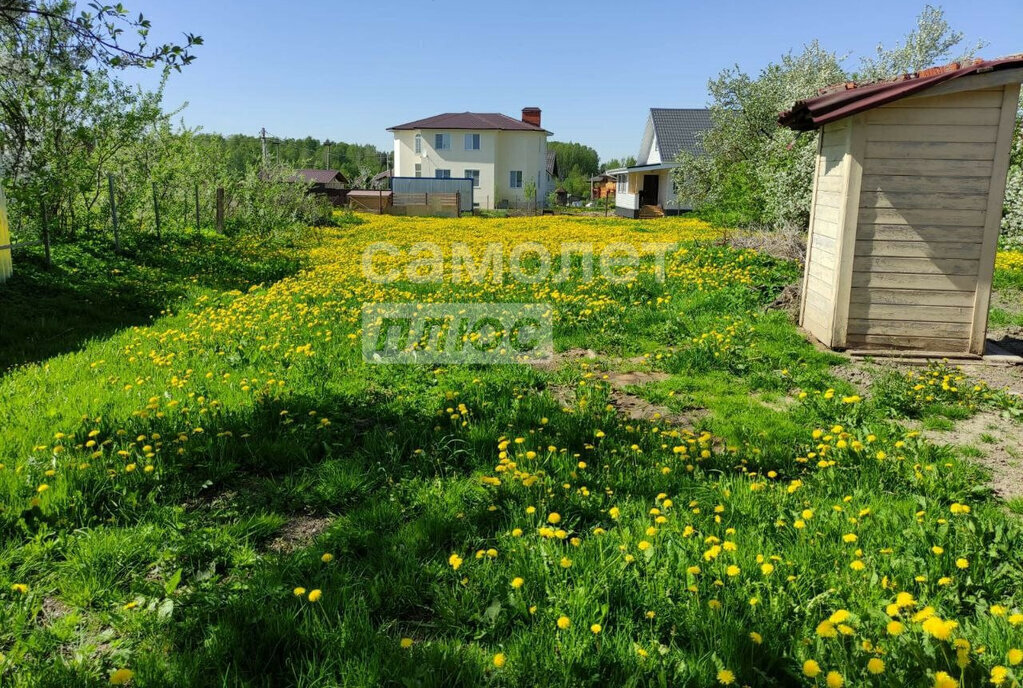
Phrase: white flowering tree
[755,173]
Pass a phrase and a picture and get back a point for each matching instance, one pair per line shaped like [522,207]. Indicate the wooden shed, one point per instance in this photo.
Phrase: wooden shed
[907,203]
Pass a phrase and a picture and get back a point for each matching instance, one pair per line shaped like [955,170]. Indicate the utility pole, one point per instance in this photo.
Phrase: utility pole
[328,143]
[262,138]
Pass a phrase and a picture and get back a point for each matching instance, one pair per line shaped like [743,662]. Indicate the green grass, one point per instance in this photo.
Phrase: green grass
[265,457]
[91,292]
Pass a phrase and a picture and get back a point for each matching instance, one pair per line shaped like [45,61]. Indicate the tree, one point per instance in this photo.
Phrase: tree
[63,113]
[1012,220]
[576,164]
[94,35]
[616,163]
[932,40]
[756,173]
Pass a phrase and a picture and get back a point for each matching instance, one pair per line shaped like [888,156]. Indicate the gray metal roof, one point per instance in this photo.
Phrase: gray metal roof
[678,129]
[552,162]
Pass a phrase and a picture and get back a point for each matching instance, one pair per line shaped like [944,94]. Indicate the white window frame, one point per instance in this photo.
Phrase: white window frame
[622,185]
[442,141]
[419,169]
[475,175]
[473,142]
[515,182]
[417,145]
[442,174]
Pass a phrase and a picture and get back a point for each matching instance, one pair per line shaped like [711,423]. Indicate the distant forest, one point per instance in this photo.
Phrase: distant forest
[356,161]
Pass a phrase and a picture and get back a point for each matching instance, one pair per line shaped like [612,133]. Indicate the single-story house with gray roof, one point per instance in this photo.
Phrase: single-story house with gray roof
[647,189]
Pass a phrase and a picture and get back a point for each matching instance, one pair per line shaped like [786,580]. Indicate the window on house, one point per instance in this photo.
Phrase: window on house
[442,174]
[472,142]
[419,144]
[515,179]
[622,184]
[475,176]
[419,169]
[442,141]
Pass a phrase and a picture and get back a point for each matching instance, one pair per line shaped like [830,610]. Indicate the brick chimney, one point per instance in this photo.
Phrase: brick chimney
[531,115]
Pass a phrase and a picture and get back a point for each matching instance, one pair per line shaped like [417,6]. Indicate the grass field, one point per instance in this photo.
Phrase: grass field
[229,495]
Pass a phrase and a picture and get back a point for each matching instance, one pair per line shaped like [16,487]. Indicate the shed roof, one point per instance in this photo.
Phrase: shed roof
[846,99]
[469,120]
[317,176]
[552,163]
[679,129]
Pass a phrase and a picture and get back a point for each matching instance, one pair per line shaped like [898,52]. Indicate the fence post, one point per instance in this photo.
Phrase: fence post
[113,212]
[46,235]
[197,206]
[156,211]
[220,209]
[6,254]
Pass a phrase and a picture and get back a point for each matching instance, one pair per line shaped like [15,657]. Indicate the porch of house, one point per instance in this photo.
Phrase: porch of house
[645,191]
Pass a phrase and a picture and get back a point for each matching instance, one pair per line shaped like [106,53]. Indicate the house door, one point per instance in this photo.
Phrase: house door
[651,187]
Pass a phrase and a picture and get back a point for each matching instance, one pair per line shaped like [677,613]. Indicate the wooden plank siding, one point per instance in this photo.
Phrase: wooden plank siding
[922,233]
[829,198]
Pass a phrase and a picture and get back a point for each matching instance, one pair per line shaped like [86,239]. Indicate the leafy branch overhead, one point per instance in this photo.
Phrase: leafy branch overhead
[107,35]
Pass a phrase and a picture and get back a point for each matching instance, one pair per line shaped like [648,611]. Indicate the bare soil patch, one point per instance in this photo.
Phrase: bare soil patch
[52,609]
[999,448]
[298,532]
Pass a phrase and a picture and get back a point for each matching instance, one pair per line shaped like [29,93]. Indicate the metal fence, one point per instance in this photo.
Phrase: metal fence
[433,185]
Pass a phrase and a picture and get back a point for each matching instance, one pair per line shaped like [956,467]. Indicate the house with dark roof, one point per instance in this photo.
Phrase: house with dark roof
[646,189]
[329,183]
[503,156]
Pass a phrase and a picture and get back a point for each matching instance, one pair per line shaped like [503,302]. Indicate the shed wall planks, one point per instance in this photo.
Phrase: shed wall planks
[829,198]
[902,229]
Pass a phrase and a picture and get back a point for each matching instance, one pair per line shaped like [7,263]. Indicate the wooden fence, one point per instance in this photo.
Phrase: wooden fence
[7,246]
[435,204]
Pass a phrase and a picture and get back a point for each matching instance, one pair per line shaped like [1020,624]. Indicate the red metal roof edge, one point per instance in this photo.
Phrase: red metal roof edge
[846,99]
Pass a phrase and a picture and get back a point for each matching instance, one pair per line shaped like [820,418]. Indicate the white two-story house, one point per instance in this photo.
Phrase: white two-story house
[503,156]
[647,188]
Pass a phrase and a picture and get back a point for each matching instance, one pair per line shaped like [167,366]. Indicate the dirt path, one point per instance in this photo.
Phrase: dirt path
[987,438]
[992,441]
[625,402]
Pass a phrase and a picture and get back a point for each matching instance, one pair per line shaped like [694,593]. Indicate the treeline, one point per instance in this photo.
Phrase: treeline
[576,164]
[356,161]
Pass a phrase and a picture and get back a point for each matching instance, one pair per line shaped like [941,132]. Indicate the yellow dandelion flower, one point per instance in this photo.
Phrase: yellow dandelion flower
[811,668]
[121,677]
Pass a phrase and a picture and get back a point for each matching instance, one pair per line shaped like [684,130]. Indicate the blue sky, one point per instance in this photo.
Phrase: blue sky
[348,70]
